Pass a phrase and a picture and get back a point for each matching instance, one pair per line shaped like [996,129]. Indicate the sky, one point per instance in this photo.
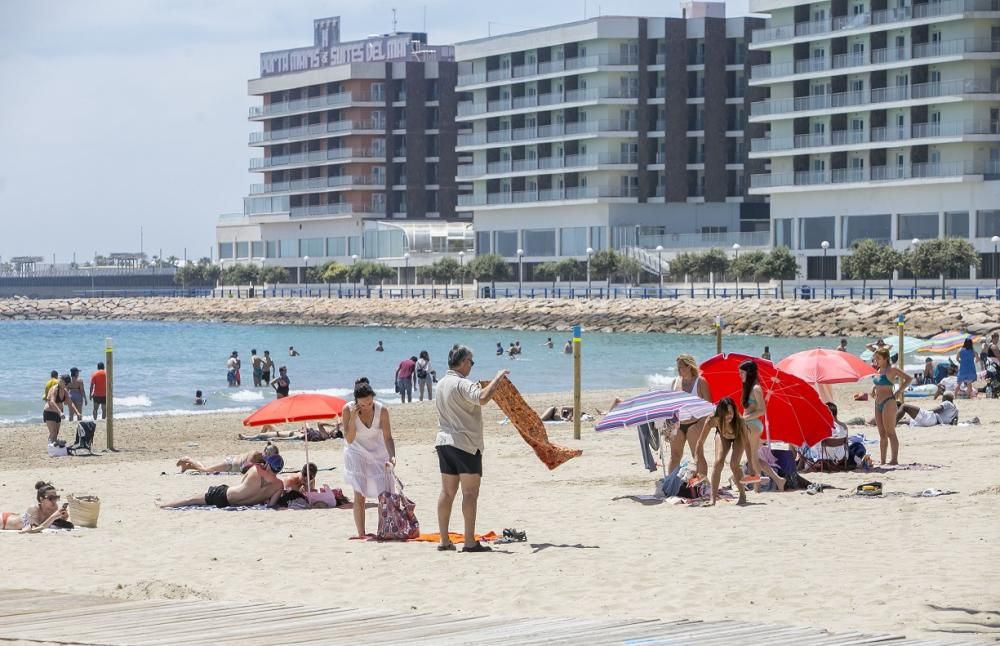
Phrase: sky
[123,122]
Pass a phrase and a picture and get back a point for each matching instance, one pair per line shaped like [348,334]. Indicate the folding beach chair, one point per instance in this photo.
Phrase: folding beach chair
[84,439]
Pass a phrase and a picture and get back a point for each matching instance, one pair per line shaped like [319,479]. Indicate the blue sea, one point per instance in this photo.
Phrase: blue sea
[158,366]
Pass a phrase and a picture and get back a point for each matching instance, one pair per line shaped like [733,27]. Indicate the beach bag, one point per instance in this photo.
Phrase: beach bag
[84,439]
[57,449]
[84,510]
[397,520]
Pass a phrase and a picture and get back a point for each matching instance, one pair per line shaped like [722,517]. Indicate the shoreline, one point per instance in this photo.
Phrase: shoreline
[783,318]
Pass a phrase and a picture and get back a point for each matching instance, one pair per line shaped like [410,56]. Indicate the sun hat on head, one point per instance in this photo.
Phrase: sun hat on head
[275,463]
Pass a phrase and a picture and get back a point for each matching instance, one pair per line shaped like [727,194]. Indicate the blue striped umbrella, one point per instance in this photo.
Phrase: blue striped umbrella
[655,405]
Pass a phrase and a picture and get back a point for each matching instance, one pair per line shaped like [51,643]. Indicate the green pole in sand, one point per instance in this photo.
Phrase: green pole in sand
[901,323]
[109,406]
[577,340]
[719,323]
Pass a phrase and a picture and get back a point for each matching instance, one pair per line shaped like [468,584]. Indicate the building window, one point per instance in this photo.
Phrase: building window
[506,243]
[918,225]
[336,247]
[225,250]
[956,224]
[271,249]
[354,246]
[820,268]
[861,227]
[598,238]
[312,247]
[814,231]
[539,242]
[483,242]
[257,249]
[987,224]
[573,241]
[783,233]
[288,248]
[242,249]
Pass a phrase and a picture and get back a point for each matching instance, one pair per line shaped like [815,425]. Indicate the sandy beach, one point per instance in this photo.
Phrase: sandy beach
[877,565]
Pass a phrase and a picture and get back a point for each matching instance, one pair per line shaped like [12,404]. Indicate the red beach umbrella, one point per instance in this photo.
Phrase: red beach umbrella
[794,411]
[822,366]
[296,408]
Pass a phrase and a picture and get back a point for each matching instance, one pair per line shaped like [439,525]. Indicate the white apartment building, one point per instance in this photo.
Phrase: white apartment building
[612,132]
[883,121]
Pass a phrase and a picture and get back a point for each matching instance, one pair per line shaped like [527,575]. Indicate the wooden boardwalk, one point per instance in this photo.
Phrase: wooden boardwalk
[44,617]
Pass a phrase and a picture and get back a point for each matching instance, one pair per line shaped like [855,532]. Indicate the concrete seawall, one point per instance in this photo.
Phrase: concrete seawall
[787,318]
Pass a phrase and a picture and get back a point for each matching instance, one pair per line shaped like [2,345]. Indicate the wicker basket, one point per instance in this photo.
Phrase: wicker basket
[84,510]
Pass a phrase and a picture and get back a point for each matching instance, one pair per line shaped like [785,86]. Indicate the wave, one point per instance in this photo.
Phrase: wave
[246,395]
[345,393]
[180,412]
[134,401]
[656,380]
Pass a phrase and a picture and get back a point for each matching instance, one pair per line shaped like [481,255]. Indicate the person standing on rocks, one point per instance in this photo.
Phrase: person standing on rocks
[266,368]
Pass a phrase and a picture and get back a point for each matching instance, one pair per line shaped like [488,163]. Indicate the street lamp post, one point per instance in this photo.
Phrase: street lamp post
[659,265]
[461,273]
[736,260]
[354,279]
[406,271]
[914,243]
[306,259]
[520,271]
[996,266]
[590,252]
[825,245]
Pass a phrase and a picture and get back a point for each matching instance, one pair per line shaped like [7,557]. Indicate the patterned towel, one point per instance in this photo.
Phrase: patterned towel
[529,425]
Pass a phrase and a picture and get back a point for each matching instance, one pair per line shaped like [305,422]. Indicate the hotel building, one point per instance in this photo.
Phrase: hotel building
[883,121]
[357,143]
[611,132]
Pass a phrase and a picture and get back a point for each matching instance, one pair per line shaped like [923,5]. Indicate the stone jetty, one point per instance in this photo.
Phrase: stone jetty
[782,318]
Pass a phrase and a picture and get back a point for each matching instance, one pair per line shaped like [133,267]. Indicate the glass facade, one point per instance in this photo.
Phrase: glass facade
[257,249]
[918,225]
[783,234]
[506,243]
[863,227]
[225,250]
[987,224]
[354,246]
[336,247]
[271,249]
[312,247]
[598,238]
[573,241]
[483,245]
[539,242]
[814,231]
[956,224]
[256,205]
[242,249]
[288,248]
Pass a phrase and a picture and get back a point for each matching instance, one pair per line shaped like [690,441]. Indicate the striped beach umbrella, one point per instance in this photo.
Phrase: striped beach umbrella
[655,405]
[947,342]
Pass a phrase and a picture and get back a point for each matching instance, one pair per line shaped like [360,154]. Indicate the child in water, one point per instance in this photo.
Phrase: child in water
[198,399]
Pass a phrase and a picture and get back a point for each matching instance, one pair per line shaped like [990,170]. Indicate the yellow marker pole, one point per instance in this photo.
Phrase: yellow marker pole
[719,323]
[577,405]
[109,406]
[901,323]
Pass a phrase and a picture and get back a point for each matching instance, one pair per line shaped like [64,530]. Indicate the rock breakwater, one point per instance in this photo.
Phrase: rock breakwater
[783,318]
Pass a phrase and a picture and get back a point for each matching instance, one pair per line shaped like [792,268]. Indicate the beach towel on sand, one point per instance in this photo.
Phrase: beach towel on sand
[530,425]
[454,536]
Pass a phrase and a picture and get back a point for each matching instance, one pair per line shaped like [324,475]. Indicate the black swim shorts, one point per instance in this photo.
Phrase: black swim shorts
[455,462]
[98,399]
[51,416]
[217,496]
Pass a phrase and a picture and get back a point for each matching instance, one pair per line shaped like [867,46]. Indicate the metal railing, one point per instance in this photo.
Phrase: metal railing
[311,130]
[542,132]
[309,103]
[547,67]
[545,195]
[873,174]
[315,183]
[469,108]
[331,154]
[337,208]
[877,135]
[545,163]
[874,96]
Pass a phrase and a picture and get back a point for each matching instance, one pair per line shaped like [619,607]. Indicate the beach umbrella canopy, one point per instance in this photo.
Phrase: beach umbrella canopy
[794,411]
[822,366]
[946,342]
[655,405]
[297,408]
[911,344]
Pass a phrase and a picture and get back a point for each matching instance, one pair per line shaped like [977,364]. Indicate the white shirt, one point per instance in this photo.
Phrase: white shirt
[460,415]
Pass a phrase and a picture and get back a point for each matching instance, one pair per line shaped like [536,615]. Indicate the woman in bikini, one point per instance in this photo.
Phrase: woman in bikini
[77,393]
[753,414]
[52,413]
[885,402]
[232,463]
[731,434]
[691,431]
[45,513]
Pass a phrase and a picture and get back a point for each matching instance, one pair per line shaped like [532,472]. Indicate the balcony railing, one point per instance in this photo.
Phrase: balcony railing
[308,103]
[544,195]
[545,163]
[874,174]
[877,135]
[878,57]
[547,67]
[671,241]
[877,95]
[877,18]
[317,183]
[329,209]
[315,156]
[311,130]
[468,108]
[542,132]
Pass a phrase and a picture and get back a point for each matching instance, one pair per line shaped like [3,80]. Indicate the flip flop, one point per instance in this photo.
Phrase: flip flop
[450,547]
[750,480]
[696,480]
[478,547]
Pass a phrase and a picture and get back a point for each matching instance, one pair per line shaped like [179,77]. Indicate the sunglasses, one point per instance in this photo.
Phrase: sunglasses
[52,498]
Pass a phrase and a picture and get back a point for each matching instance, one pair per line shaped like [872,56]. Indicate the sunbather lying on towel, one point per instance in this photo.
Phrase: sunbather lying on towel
[320,433]
[232,463]
[297,482]
[260,484]
[946,413]
[562,414]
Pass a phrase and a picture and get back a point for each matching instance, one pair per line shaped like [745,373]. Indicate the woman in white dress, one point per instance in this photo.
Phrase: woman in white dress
[370,448]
